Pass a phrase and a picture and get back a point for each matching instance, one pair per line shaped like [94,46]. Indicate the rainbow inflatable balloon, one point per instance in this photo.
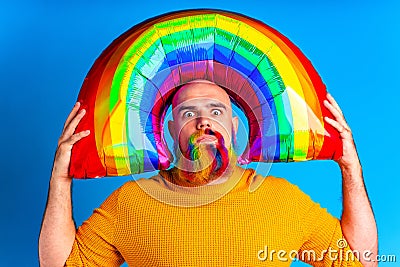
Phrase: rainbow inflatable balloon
[130,86]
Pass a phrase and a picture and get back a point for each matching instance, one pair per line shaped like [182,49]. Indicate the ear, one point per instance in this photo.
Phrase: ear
[235,124]
[171,126]
[171,129]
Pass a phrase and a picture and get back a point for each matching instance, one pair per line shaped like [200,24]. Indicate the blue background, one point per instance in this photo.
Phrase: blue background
[47,49]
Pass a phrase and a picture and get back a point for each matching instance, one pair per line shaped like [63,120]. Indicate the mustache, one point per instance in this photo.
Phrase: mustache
[218,152]
[193,148]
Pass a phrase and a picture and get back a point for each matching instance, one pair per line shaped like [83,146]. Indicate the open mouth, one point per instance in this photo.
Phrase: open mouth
[206,138]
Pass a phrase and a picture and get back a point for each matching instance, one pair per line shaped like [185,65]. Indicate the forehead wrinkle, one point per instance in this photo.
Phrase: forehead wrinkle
[217,105]
[192,86]
[181,96]
[211,104]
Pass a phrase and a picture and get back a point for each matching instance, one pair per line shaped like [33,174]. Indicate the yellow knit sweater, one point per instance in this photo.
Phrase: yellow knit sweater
[247,221]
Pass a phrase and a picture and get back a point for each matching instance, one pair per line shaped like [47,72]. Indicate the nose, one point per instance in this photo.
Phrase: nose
[203,123]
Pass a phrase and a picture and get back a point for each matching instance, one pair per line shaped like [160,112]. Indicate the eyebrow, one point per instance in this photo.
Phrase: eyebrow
[181,108]
[216,105]
[213,105]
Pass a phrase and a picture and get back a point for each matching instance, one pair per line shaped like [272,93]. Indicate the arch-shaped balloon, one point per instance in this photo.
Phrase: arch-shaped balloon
[129,88]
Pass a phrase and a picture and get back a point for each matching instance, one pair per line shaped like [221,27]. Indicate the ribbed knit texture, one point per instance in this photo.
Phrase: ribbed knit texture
[133,226]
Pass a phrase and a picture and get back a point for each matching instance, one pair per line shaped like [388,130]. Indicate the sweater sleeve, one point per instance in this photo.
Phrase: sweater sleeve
[93,245]
[324,243]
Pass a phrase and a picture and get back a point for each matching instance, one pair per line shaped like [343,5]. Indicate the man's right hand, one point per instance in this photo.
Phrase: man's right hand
[65,143]
[57,234]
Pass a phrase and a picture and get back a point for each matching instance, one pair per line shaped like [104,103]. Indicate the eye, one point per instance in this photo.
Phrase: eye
[188,114]
[216,112]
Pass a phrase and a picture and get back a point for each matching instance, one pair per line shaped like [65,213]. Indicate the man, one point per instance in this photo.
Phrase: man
[203,212]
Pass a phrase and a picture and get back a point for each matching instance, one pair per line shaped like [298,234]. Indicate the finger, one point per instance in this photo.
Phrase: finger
[72,114]
[78,136]
[339,127]
[336,114]
[75,138]
[333,102]
[70,129]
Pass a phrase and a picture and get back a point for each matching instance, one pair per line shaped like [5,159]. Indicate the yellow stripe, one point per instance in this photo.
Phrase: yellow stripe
[118,115]
[299,111]
[291,81]
[301,134]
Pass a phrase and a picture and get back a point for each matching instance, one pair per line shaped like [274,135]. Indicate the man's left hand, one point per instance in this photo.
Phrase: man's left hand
[349,159]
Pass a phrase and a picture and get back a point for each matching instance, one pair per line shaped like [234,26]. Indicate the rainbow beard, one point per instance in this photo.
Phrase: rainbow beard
[203,163]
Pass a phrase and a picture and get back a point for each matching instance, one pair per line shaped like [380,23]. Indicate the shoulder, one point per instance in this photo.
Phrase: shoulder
[137,190]
[280,189]
[120,194]
[135,187]
[276,184]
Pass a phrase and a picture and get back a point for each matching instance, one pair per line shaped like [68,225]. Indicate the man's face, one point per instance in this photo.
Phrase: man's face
[197,106]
